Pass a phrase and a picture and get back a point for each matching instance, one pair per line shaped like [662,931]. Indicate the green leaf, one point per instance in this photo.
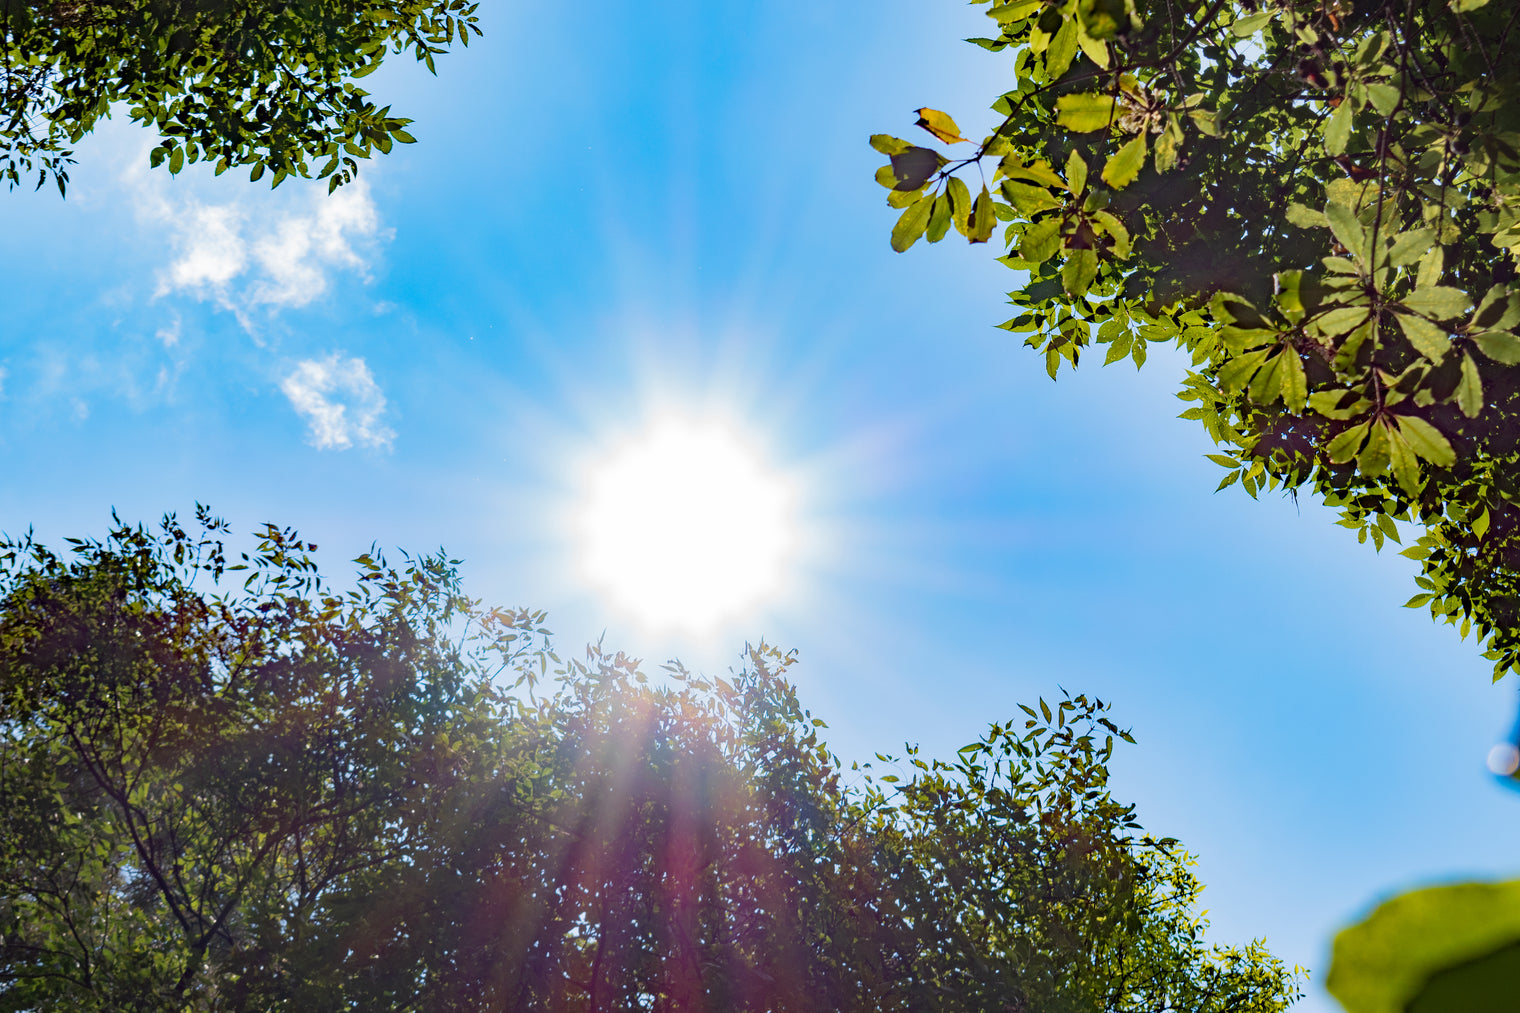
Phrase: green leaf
[1076,173]
[1306,217]
[1428,339]
[1469,392]
[1338,129]
[176,160]
[982,219]
[1439,302]
[912,224]
[1406,471]
[1427,441]
[1079,270]
[939,219]
[1030,200]
[1125,164]
[1384,97]
[1249,25]
[1115,228]
[1418,941]
[1063,49]
[1038,170]
[1498,311]
[1342,320]
[1345,446]
[1376,454]
[1085,112]
[1431,268]
[1348,231]
[1041,242]
[1295,386]
[1410,247]
[1266,385]
[960,203]
[1501,346]
[889,145]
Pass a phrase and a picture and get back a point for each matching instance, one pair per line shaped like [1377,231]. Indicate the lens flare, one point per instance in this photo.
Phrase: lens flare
[686,526]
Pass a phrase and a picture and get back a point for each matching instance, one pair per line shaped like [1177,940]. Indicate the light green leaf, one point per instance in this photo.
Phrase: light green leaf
[1085,111]
[1038,170]
[1384,98]
[1115,228]
[1410,246]
[1429,339]
[1295,386]
[1427,441]
[1469,392]
[1384,963]
[1341,321]
[1306,217]
[939,219]
[1125,164]
[1501,346]
[1432,267]
[1345,446]
[1079,270]
[889,145]
[1030,200]
[1347,229]
[1249,25]
[982,219]
[1439,302]
[1406,469]
[912,224]
[1096,50]
[1376,454]
[1076,172]
[1338,129]
[960,203]
[1266,386]
[1063,49]
[1041,242]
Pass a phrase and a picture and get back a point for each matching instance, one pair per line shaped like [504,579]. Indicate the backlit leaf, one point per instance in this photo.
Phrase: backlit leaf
[940,125]
[1085,112]
[912,224]
[1125,164]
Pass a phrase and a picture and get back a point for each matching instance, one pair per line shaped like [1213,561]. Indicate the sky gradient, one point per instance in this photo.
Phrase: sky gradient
[616,211]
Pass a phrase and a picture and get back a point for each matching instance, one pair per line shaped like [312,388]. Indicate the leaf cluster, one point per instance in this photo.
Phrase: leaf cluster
[1318,201]
[227,786]
[269,84]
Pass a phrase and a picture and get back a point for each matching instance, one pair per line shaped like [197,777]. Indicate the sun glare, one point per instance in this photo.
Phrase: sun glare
[685,526]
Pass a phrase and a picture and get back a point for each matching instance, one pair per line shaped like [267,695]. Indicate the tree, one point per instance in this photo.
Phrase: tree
[1319,201]
[267,794]
[233,82]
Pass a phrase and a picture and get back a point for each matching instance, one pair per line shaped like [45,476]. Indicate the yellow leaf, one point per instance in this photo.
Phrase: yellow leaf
[940,125]
[1125,164]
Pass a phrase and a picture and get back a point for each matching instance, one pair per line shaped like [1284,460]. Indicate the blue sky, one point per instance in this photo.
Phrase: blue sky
[616,210]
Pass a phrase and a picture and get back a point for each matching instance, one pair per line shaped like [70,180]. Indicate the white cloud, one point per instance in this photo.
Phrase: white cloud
[262,250]
[341,402]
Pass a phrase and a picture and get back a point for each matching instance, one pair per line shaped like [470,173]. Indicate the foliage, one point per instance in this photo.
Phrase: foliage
[1442,948]
[270,795]
[234,82]
[1319,202]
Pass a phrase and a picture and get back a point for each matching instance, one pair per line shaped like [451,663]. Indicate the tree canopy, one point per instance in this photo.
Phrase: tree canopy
[228,786]
[262,83]
[1319,202]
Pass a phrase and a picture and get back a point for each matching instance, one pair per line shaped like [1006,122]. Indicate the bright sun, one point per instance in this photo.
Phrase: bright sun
[685,526]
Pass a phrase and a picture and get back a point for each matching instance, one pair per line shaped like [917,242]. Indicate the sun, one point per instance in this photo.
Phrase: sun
[686,526]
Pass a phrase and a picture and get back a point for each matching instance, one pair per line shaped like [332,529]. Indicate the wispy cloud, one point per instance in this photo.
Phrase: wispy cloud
[342,404]
[258,251]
